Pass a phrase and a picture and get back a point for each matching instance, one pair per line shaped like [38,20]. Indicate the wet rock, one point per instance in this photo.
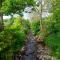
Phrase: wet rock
[39,39]
[43,52]
[30,48]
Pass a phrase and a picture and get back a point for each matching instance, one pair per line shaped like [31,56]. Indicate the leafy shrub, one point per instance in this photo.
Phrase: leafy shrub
[35,26]
[53,41]
[11,39]
[26,25]
[51,25]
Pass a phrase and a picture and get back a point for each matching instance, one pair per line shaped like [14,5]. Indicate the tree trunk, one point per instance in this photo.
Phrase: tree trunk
[1,22]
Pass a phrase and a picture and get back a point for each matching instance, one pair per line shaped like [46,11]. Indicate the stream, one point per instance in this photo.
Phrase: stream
[30,53]
[30,49]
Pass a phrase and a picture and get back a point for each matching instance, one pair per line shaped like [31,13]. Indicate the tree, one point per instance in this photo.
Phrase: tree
[1,16]
[9,7]
[42,6]
[15,6]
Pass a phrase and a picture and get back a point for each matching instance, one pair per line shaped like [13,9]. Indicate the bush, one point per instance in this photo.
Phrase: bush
[53,41]
[11,39]
[35,26]
[26,25]
[51,25]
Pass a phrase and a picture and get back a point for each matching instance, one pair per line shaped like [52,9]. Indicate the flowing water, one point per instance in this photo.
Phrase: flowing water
[30,53]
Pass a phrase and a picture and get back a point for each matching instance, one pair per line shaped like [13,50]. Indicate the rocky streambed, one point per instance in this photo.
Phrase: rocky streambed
[34,50]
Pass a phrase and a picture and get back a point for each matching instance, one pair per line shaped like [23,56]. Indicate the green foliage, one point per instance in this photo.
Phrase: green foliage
[26,25]
[53,41]
[50,25]
[15,6]
[12,39]
[1,1]
[35,26]
[56,12]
